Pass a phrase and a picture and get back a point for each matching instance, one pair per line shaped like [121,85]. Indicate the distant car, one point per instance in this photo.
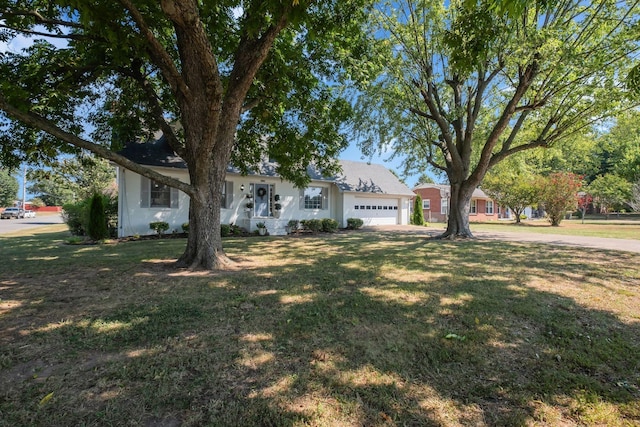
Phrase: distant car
[10,213]
[29,214]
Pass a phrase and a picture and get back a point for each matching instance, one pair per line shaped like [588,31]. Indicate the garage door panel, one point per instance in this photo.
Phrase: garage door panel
[377,211]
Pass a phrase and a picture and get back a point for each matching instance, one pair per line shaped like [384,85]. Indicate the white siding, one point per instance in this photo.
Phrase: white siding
[134,219]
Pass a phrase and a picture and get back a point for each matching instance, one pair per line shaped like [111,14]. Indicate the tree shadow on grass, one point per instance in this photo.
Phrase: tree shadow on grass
[369,329]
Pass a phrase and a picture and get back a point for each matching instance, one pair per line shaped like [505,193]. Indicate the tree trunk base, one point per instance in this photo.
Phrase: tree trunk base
[219,261]
[449,235]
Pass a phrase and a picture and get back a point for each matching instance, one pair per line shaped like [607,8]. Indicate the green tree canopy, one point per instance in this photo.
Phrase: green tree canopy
[610,191]
[619,150]
[462,86]
[72,179]
[513,187]
[241,78]
[8,188]
[634,202]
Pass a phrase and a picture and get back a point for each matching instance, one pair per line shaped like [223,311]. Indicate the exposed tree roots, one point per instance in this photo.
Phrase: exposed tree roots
[218,262]
[454,236]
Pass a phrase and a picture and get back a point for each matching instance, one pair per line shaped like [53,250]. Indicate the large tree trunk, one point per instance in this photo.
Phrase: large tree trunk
[458,221]
[204,244]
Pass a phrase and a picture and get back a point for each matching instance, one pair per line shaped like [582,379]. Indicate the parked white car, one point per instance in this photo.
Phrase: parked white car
[10,213]
[29,214]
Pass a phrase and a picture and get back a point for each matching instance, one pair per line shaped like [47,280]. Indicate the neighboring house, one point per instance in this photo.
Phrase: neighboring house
[367,191]
[435,204]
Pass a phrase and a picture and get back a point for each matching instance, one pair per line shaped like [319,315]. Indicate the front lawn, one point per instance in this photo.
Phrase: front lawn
[351,329]
[575,227]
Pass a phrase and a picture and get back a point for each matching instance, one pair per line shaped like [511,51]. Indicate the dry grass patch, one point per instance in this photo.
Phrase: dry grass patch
[352,329]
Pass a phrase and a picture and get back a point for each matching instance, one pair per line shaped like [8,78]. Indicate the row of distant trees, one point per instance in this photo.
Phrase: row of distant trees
[605,163]
[516,191]
[556,193]
[68,180]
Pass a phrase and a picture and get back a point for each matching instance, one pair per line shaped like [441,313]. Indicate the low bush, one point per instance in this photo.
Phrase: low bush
[159,226]
[293,225]
[76,216]
[329,225]
[225,230]
[354,223]
[312,225]
[185,227]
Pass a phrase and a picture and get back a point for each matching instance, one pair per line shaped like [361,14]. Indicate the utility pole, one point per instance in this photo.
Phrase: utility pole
[24,187]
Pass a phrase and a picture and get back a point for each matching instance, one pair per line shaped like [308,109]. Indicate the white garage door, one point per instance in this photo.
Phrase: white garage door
[376,211]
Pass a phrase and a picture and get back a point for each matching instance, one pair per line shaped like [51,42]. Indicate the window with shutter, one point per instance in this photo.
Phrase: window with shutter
[156,195]
[314,198]
[227,194]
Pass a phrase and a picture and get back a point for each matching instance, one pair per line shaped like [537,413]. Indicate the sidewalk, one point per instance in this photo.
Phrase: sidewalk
[628,245]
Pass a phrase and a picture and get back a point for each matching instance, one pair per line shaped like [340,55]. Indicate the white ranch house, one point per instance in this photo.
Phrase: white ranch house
[367,191]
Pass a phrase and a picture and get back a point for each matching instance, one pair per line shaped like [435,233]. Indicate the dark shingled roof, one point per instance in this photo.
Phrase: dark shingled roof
[355,176]
[153,153]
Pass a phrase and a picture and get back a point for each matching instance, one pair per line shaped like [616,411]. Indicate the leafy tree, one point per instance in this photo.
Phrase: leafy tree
[224,81]
[425,179]
[51,191]
[559,194]
[619,149]
[577,154]
[417,218]
[37,202]
[97,226]
[8,188]
[609,191]
[71,179]
[463,86]
[514,190]
[584,200]
[634,202]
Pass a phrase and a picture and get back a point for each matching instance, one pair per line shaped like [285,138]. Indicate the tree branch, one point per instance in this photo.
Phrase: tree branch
[156,108]
[39,122]
[525,80]
[251,53]
[160,56]
[41,19]
[250,104]
[497,158]
[514,131]
[421,113]
[49,35]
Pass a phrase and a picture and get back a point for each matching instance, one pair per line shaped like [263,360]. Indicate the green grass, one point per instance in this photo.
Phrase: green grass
[348,329]
[591,228]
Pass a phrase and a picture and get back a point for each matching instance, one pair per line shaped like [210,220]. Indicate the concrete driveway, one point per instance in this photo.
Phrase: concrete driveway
[628,245]
[43,219]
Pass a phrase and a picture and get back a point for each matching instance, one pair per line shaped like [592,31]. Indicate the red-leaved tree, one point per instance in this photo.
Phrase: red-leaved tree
[584,200]
[560,194]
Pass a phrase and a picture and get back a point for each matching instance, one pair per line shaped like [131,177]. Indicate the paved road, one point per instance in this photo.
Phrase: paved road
[11,225]
[629,245]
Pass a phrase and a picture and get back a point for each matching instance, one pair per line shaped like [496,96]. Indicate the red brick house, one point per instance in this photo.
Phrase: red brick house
[435,204]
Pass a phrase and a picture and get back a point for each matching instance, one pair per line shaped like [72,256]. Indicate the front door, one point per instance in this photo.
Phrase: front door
[262,199]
